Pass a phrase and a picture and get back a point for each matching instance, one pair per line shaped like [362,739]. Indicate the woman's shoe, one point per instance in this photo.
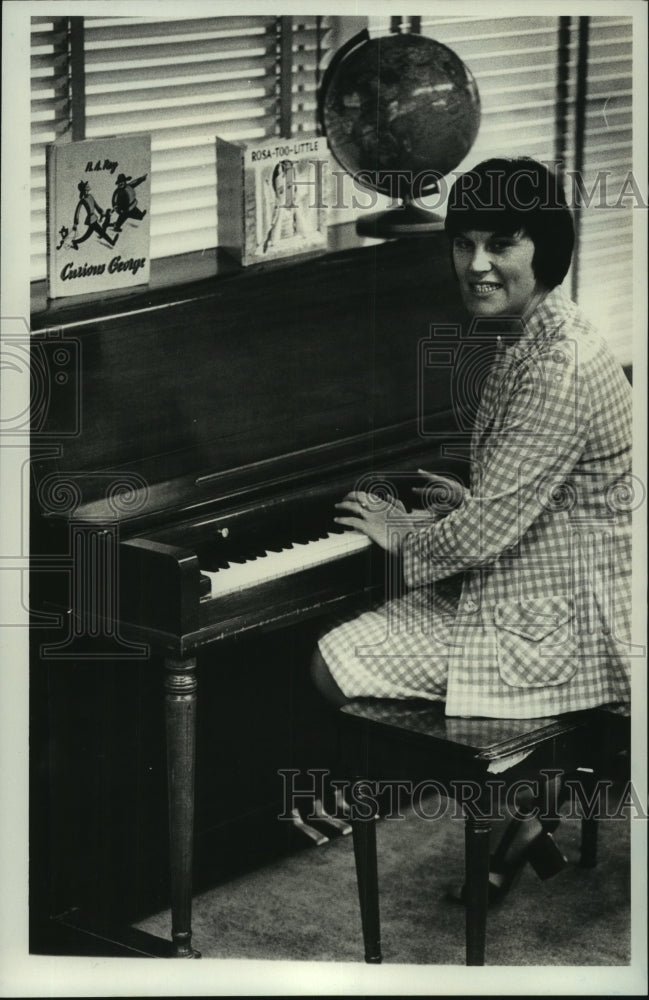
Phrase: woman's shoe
[544,856]
[507,865]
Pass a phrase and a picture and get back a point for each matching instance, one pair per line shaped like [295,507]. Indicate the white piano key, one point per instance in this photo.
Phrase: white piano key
[301,556]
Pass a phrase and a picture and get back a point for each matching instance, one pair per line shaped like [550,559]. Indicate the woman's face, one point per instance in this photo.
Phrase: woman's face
[495,273]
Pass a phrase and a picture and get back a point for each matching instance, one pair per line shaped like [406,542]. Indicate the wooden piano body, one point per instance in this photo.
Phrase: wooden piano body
[187,427]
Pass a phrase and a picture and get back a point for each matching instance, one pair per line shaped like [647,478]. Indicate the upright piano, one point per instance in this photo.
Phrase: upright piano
[189,441]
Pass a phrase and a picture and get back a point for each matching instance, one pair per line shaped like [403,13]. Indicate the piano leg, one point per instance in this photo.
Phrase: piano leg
[180,712]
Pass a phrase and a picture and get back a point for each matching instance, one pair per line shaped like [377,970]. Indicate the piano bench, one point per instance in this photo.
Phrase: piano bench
[477,762]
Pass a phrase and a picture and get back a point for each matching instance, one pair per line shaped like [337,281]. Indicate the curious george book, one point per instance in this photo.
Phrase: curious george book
[98,214]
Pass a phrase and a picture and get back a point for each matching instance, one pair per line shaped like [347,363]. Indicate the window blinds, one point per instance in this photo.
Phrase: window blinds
[604,285]
[186,80]
[514,61]
[50,116]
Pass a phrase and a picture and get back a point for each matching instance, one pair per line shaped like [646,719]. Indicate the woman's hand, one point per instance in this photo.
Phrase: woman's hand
[383,520]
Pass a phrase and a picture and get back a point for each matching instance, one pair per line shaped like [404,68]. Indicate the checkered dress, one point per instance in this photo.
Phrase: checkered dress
[517,604]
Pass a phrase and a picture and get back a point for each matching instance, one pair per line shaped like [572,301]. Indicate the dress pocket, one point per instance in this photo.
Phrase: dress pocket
[536,641]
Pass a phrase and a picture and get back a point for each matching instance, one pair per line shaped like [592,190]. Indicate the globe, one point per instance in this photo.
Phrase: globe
[399,113]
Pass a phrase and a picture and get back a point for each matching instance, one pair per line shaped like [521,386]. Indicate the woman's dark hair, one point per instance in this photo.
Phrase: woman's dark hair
[509,195]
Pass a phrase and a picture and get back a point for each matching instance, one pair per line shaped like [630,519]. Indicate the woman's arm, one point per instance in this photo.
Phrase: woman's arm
[541,439]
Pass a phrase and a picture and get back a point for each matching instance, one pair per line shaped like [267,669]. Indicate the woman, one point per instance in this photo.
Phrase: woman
[517,602]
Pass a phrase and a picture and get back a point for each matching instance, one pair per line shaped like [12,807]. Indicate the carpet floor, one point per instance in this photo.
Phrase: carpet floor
[305,906]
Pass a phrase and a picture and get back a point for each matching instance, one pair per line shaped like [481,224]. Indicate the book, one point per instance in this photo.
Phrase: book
[271,200]
[97,196]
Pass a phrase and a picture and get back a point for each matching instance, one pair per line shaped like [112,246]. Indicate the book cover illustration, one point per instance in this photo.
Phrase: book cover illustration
[271,197]
[98,194]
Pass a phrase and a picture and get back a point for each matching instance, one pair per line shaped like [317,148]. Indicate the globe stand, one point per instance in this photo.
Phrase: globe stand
[407,220]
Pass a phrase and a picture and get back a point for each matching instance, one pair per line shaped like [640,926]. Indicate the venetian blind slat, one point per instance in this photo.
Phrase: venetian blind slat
[140,30]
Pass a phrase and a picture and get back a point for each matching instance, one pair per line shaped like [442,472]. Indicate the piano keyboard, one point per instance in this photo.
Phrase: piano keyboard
[273,565]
